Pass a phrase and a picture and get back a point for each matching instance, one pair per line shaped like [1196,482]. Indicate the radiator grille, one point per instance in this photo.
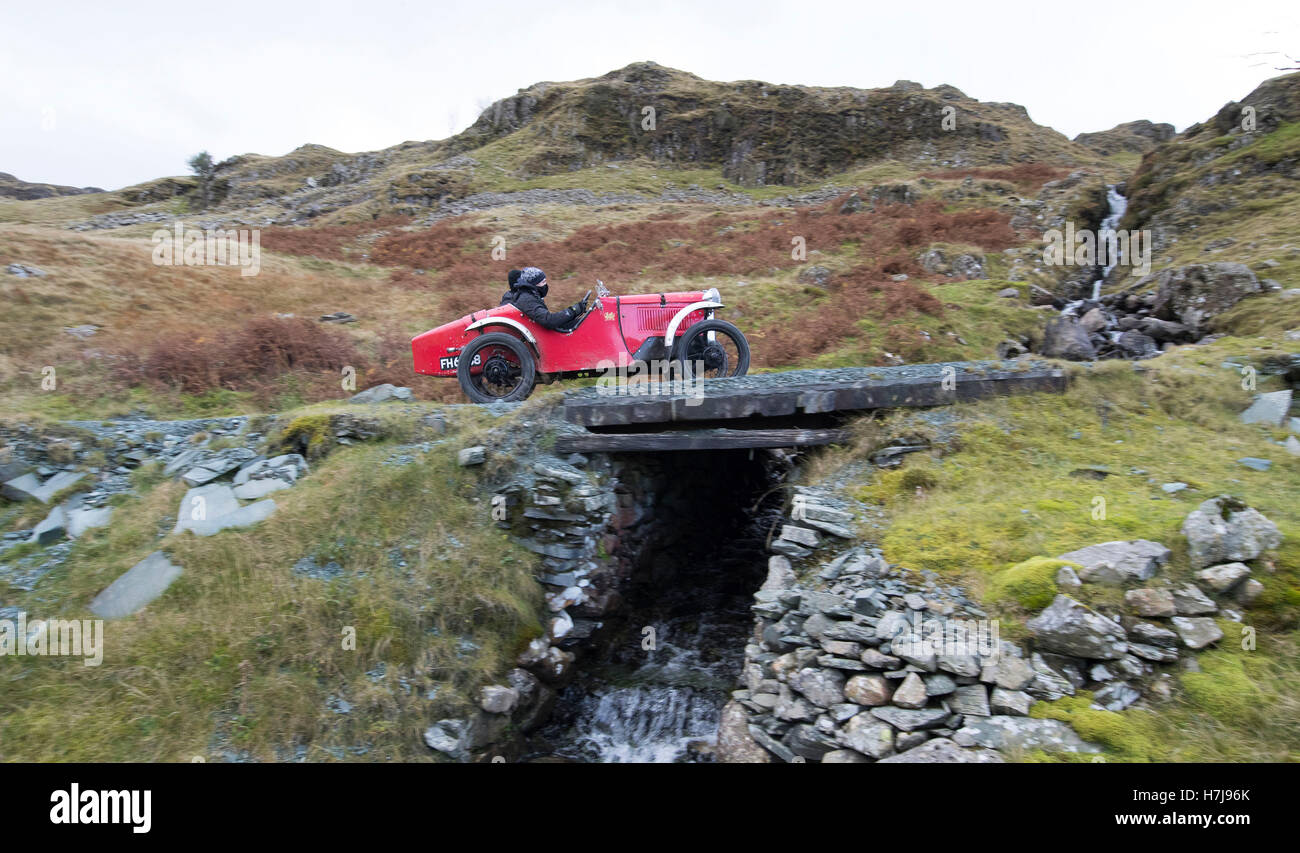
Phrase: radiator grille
[656,319]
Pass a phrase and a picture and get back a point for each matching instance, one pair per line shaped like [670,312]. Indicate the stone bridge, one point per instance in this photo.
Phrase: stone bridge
[791,409]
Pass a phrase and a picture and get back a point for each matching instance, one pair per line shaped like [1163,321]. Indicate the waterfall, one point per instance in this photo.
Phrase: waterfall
[1116,204]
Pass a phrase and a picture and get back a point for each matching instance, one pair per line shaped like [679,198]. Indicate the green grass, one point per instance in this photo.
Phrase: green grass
[241,654]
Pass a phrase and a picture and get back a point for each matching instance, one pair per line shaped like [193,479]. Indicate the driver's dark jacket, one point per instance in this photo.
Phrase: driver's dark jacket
[526,298]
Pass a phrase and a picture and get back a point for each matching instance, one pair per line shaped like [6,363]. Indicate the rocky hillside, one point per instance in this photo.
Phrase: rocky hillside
[11,187]
[1229,187]
[644,118]
[757,133]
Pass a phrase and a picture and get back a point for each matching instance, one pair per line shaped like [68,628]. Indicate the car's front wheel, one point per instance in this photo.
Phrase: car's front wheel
[712,349]
[496,367]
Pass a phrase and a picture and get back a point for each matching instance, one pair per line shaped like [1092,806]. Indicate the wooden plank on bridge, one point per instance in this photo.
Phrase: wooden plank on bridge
[799,392]
[696,439]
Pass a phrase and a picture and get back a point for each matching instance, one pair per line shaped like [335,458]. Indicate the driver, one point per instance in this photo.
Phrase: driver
[528,292]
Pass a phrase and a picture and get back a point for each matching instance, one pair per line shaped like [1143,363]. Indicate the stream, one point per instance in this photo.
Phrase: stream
[1117,205]
[663,705]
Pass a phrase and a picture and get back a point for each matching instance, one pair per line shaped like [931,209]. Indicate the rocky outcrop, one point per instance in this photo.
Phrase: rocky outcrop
[11,187]
[1196,294]
[746,127]
[1135,136]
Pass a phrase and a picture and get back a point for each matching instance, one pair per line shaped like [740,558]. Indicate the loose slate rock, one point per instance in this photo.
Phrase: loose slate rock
[1271,409]
[203,503]
[1150,602]
[29,486]
[1153,635]
[22,488]
[1069,628]
[844,756]
[381,394]
[1115,697]
[140,585]
[868,736]
[254,489]
[1197,632]
[1190,601]
[1014,703]
[1006,732]
[1223,577]
[822,687]
[971,700]
[1249,590]
[476,455]
[1116,563]
[911,693]
[82,519]
[943,751]
[1011,673]
[53,528]
[907,720]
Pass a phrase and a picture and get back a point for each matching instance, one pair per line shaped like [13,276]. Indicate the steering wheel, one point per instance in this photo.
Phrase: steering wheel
[592,306]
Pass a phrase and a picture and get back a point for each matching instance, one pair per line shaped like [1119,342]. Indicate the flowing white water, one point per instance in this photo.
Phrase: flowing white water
[1117,204]
[663,705]
[656,712]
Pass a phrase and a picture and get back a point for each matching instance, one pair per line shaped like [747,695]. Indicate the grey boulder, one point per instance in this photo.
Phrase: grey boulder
[943,751]
[382,394]
[1069,628]
[1224,530]
[1118,562]
[1024,733]
[1197,632]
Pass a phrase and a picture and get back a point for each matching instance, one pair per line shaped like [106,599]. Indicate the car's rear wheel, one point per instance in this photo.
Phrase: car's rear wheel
[496,367]
[712,349]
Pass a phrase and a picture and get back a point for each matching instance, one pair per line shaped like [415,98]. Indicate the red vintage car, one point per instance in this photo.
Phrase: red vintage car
[499,354]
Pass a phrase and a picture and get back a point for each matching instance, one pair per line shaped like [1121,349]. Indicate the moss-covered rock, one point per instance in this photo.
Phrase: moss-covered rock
[1030,584]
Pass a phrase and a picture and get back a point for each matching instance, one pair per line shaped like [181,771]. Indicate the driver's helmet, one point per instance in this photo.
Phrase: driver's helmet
[535,278]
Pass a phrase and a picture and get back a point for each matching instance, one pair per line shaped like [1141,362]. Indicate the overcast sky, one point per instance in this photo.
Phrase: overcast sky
[113,93]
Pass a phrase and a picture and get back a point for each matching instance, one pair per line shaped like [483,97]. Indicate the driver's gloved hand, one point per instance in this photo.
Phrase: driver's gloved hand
[580,307]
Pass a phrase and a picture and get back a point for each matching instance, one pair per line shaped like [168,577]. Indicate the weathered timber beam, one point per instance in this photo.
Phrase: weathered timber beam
[711,439]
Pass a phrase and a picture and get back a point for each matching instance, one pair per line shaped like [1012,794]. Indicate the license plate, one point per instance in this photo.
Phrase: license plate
[451,362]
